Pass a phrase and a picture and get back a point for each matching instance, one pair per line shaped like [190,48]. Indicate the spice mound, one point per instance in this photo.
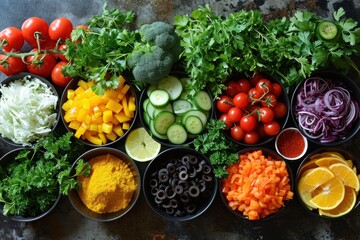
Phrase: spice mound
[110,185]
[291,144]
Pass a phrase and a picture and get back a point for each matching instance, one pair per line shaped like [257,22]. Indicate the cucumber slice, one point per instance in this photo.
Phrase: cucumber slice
[193,125]
[146,118]
[202,101]
[168,108]
[172,85]
[150,110]
[156,134]
[201,115]
[176,134]
[163,121]
[181,106]
[159,98]
[145,103]
[151,88]
[327,30]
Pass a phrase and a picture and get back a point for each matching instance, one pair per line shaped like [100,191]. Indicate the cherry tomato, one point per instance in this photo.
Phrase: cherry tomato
[232,88]
[248,123]
[255,78]
[272,128]
[12,65]
[224,103]
[241,100]
[269,100]
[254,111]
[32,25]
[260,130]
[280,110]
[266,114]
[263,86]
[57,77]
[276,89]
[48,45]
[62,47]
[235,114]
[251,137]
[254,94]
[225,118]
[41,66]
[60,28]
[237,133]
[11,39]
[244,85]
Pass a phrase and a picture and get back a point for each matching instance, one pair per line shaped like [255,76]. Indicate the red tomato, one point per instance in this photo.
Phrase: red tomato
[266,114]
[254,110]
[260,130]
[57,77]
[251,137]
[41,66]
[255,78]
[272,128]
[60,28]
[225,118]
[276,89]
[280,110]
[263,86]
[235,114]
[254,94]
[248,123]
[48,45]
[241,100]
[224,103]
[232,88]
[11,39]
[32,25]
[12,65]
[244,85]
[62,57]
[269,100]
[237,133]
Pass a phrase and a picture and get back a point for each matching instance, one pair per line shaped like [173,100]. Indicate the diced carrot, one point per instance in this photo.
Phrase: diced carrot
[257,185]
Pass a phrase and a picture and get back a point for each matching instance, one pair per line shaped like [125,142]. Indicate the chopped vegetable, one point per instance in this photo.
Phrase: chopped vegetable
[257,185]
[325,109]
[27,110]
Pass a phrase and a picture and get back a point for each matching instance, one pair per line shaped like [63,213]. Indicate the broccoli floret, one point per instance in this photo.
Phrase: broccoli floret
[153,57]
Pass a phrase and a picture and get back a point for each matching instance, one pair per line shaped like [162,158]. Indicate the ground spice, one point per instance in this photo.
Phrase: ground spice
[291,144]
[110,185]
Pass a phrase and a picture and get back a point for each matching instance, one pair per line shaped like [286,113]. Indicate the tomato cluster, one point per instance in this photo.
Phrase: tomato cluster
[46,59]
[251,109]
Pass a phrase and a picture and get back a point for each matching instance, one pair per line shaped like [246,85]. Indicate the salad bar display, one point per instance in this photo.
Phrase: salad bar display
[242,123]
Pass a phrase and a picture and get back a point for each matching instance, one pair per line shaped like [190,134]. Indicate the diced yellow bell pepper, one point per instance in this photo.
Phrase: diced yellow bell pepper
[125,106]
[111,136]
[67,105]
[115,121]
[79,90]
[81,114]
[121,82]
[107,127]
[100,128]
[80,131]
[93,127]
[70,94]
[107,116]
[74,125]
[94,140]
[132,105]
[87,119]
[114,106]
[125,89]
[120,96]
[118,130]
[121,117]
[97,112]
[73,113]
[85,103]
[126,126]
[103,138]
[83,84]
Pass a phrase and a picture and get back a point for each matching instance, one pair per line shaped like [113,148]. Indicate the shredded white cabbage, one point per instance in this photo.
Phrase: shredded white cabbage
[27,110]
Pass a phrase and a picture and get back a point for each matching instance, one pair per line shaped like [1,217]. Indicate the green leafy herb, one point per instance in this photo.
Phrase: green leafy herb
[30,184]
[215,143]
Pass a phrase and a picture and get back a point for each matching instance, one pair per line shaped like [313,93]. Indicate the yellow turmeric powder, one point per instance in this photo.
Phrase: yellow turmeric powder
[110,185]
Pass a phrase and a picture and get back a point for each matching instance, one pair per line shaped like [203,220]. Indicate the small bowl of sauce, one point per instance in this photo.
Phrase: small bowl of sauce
[291,144]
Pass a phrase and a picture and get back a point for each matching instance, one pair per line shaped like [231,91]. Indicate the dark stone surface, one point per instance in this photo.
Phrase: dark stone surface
[142,223]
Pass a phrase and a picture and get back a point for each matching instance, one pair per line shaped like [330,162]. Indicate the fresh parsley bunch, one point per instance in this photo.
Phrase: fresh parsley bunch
[31,183]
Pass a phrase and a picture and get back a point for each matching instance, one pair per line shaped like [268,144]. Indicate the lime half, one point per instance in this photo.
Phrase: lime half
[140,146]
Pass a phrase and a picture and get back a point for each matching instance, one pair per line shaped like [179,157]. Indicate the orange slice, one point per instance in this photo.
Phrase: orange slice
[331,195]
[310,180]
[328,154]
[346,175]
[344,207]
[327,161]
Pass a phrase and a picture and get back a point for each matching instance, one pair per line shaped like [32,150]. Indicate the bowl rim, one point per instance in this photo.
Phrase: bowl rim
[71,85]
[20,76]
[165,142]
[284,95]
[135,196]
[19,218]
[343,151]
[306,145]
[145,187]
[286,202]
[355,93]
